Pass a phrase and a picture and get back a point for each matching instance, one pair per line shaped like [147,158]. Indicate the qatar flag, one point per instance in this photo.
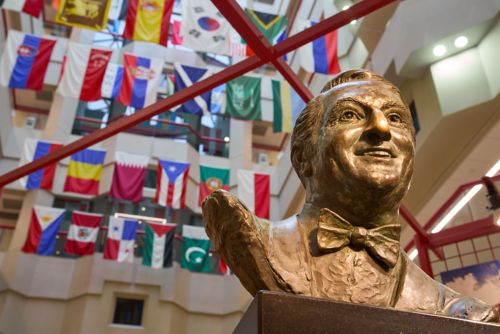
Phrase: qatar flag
[82,233]
[128,178]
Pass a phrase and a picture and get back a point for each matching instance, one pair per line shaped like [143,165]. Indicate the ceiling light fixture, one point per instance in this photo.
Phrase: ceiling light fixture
[226,139]
[346,7]
[461,41]
[413,254]
[353,22]
[439,50]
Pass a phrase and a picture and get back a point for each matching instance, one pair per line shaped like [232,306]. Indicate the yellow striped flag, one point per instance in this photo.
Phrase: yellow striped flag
[282,105]
[148,20]
[83,13]
[84,172]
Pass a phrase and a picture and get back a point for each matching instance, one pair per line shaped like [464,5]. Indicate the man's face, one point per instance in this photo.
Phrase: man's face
[366,138]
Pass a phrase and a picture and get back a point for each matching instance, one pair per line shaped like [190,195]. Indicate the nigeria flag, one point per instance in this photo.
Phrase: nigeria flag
[158,243]
[243,98]
[195,248]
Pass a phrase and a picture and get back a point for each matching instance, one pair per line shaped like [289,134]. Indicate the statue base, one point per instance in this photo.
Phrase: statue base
[277,312]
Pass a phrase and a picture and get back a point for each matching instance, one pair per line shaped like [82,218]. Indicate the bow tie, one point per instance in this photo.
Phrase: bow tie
[382,243]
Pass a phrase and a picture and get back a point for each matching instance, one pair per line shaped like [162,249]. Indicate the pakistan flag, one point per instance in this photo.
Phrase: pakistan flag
[243,98]
[195,248]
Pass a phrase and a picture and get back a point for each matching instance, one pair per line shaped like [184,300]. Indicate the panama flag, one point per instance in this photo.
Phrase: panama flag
[186,76]
[158,245]
[140,81]
[195,249]
[25,60]
[171,183]
[212,179]
[120,243]
[319,56]
[254,191]
[84,172]
[84,72]
[44,177]
[30,7]
[128,177]
[43,229]
[112,81]
[148,20]
[82,233]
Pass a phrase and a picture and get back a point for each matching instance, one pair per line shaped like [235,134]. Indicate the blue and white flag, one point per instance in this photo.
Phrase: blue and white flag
[186,76]
[112,81]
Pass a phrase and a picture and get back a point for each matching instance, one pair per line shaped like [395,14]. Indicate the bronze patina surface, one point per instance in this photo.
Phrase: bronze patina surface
[353,148]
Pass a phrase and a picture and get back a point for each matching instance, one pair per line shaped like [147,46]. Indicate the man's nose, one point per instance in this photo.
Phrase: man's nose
[378,126]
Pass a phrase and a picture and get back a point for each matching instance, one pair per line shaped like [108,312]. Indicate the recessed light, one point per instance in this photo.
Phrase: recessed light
[353,22]
[439,50]
[461,41]
[346,7]
[226,139]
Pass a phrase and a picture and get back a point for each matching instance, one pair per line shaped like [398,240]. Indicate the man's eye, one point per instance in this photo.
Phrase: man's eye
[395,119]
[348,115]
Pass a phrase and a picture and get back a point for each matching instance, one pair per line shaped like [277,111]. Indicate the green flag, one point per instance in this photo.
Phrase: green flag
[195,248]
[158,244]
[243,98]
[273,27]
[212,179]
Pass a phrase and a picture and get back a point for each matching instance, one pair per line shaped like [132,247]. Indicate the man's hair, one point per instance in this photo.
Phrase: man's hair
[304,138]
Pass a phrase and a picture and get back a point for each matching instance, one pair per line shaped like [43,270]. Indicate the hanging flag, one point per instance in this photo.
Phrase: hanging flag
[82,233]
[176,33]
[120,243]
[254,191]
[88,14]
[55,4]
[114,9]
[212,179]
[273,27]
[171,183]
[282,106]
[84,72]
[128,177]
[204,28]
[319,56]
[195,249]
[43,229]
[112,81]
[44,177]
[30,7]
[243,98]
[84,172]
[158,245]
[186,76]
[25,60]
[223,267]
[148,20]
[140,81]
[218,100]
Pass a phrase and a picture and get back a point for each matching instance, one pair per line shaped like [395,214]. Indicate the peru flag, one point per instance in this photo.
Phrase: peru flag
[254,191]
[43,229]
[319,56]
[84,72]
[25,60]
[140,81]
[30,7]
[82,233]
[121,239]
[44,177]
[128,177]
[172,183]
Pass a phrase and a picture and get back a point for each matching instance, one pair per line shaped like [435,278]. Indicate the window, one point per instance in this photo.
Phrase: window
[128,312]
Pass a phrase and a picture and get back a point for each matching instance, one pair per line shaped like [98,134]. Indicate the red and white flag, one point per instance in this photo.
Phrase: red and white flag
[128,177]
[120,243]
[84,72]
[171,183]
[30,7]
[82,233]
[254,191]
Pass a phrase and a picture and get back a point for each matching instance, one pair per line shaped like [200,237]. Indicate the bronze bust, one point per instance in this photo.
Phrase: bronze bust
[352,148]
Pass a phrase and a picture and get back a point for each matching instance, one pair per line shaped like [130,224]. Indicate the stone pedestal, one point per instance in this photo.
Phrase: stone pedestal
[276,312]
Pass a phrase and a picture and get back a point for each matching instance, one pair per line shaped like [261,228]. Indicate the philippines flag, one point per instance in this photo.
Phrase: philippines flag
[121,239]
[140,81]
[254,191]
[112,82]
[82,233]
[172,183]
[25,60]
[30,7]
[43,229]
[319,56]
[84,72]
[44,177]
[186,76]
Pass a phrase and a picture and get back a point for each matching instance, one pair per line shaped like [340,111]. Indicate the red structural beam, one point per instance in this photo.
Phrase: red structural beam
[361,9]
[463,232]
